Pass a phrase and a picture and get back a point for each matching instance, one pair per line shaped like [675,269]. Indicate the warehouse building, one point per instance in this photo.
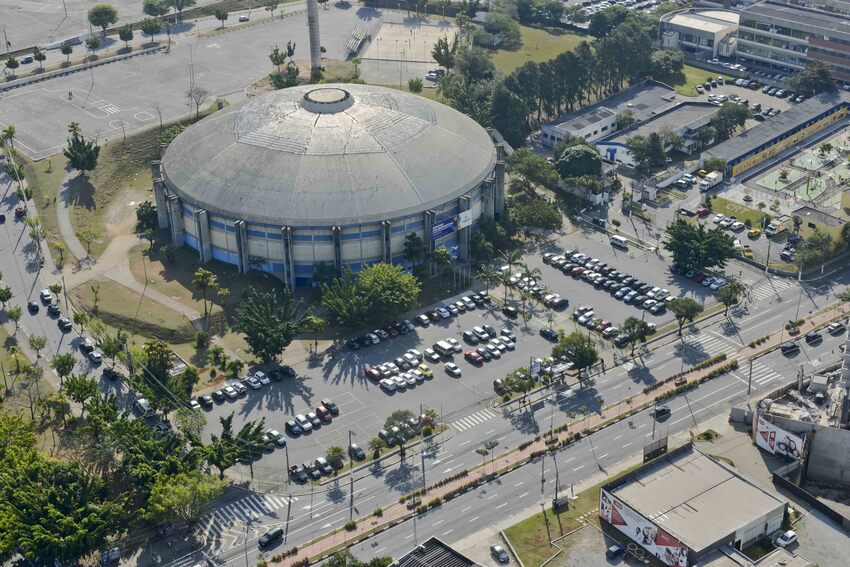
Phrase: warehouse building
[684,506]
[686,119]
[642,101]
[333,175]
[771,138]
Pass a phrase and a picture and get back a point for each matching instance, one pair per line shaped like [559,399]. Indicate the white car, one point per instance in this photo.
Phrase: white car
[737,226]
[417,375]
[786,539]
[708,281]
[718,283]
[410,359]
[431,355]
[456,346]
[253,383]
[303,423]
[263,378]
[494,351]
[46,296]
[726,222]
[230,392]
[399,382]
[452,368]
[443,312]
[95,357]
[588,316]
[480,333]
[717,219]
[415,353]
[387,385]
[499,344]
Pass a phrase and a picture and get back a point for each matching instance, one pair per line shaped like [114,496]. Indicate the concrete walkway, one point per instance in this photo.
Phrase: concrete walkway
[63,218]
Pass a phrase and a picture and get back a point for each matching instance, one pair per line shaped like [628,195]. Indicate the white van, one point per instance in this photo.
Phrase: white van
[619,242]
[143,407]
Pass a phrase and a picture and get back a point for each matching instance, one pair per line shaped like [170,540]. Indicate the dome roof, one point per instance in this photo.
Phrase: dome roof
[327,155]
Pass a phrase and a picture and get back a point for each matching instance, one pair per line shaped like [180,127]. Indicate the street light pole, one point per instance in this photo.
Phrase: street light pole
[351,481]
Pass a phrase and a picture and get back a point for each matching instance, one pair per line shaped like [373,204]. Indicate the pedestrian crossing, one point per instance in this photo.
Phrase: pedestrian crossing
[762,374]
[473,419]
[712,344]
[223,527]
[769,289]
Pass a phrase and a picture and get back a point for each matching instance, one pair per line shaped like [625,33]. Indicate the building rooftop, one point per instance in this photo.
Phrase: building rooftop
[800,15]
[705,21]
[696,499]
[815,215]
[434,553]
[644,100]
[329,154]
[728,557]
[680,118]
[776,126]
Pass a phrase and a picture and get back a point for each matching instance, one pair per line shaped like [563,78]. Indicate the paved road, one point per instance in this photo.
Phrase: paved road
[309,516]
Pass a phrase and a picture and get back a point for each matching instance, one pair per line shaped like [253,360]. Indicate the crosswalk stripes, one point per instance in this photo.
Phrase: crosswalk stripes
[111,109]
[473,419]
[223,526]
[762,374]
[711,344]
[770,289]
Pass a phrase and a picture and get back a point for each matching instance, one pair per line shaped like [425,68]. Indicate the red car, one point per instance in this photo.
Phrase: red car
[433,316]
[578,271]
[373,374]
[602,326]
[473,357]
[702,212]
[700,276]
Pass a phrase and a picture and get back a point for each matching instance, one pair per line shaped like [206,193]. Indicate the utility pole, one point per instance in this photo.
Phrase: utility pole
[542,474]
[245,525]
[65,292]
[351,481]
[750,380]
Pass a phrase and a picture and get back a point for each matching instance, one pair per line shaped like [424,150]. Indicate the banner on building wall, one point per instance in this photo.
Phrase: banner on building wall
[652,538]
[464,219]
[776,440]
[442,229]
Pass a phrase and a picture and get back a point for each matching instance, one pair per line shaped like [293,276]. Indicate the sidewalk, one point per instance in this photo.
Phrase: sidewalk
[516,458]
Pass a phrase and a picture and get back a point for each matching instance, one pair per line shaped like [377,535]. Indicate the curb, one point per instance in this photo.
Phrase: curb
[77,68]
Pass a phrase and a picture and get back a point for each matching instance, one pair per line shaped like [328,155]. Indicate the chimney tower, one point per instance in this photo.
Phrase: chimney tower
[313,25]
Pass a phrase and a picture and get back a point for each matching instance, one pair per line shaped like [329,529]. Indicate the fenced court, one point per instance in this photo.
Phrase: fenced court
[774,181]
[810,190]
[840,173]
[813,160]
[408,41]
[833,201]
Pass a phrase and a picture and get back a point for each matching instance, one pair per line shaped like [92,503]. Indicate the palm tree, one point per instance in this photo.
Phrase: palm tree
[335,456]
[489,275]
[375,445]
[511,258]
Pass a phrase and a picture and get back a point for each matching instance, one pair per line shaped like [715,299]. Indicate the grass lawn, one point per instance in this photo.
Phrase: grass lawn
[426,93]
[690,77]
[537,45]
[708,435]
[530,538]
[123,308]
[737,210]
[45,177]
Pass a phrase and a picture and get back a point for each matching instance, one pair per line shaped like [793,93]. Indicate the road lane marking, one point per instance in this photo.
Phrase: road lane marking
[570,459]
[473,519]
[493,496]
[603,456]
[502,505]
[578,467]
[408,536]
[465,443]
[523,494]
[491,431]
[467,508]
[448,532]
[617,437]
[437,523]
[520,483]
[626,445]
[642,425]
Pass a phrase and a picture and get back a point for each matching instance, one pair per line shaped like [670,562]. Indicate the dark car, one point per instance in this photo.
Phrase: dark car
[270,537]
[621,340]
[2,218]
[561,303]
[660,412]
[53,309]
[32,306]
[112,374]
[352,344]
[615,551]
[218,396]
[510,311]
[292,427]
[65,325]
[332,407]
[789,349]
[356,452]
[298,474]
[814,338]
[549,334]
[205,401]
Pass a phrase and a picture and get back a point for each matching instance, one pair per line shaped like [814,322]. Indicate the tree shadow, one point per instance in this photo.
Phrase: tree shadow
[368,14]
[336,494]
[689,353]
[402,479]
[78,192]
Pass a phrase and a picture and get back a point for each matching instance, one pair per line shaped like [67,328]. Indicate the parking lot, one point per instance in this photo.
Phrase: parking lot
[363,404]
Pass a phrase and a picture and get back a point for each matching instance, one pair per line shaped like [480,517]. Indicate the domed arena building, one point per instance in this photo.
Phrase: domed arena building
[334,174]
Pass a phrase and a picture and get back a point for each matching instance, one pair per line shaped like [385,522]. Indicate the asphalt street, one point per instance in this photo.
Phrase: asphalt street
[310,515]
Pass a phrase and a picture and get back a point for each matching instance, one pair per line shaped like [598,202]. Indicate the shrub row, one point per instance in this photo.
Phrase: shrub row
[524,445]
[757,342]
[283,555]
[732,365]
[435,502]
[350,525]
[675,391]
[460,490]
[379,512]
[302,563]
[420,492]
[707,362]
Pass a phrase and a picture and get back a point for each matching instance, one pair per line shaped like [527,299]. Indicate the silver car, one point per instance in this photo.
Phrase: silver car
[303,423]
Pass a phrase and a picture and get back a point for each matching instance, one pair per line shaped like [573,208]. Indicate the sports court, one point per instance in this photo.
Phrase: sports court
[408,41]
[775,182]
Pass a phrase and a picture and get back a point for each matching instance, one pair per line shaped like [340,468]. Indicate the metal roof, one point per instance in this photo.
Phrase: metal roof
[774,127]
[799,15]
[434,553]
[683,117]
[329,154]
[695,499]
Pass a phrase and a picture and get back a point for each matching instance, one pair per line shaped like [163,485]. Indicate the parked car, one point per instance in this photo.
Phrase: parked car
[790,349]
[303,423]
[292,427]
[813,338]
[836,328]
[452,368]
[298,474]
[549,334]
[786,539]
[356,452]
[499,553]
[324,466]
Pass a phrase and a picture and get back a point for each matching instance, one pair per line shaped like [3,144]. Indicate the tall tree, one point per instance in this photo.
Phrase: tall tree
[66,49]
[82,154]
[151,27]
[182,497]
[271,6]
[270,321]
[443,53]
[146,218]
[37,343]
[64,365]
[221,15]
[508,114]
[393,291]
[102,16]
[39,56]
[578,161]
[180,5]
[346,300]
[815,78]
[125,34]
[204,281]
[578,348]
[693,246]
[636,329]
[81,389]
[727,296]
[684,309]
